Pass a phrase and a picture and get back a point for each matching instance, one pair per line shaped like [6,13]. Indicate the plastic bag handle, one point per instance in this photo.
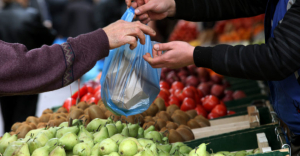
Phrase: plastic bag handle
[128,15]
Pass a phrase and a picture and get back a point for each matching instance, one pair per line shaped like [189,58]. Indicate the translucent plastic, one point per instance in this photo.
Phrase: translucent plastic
[129,84]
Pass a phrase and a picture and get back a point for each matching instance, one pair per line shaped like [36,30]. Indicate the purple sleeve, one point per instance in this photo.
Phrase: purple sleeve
[49,67]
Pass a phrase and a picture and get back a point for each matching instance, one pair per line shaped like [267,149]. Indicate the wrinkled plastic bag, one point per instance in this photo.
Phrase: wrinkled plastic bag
[129,84]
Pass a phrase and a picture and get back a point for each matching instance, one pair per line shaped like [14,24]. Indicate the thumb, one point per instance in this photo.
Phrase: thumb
[144,8]
[163,46]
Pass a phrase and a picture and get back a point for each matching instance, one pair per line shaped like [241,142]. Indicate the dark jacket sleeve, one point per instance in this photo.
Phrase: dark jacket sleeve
[276,60]
[214,10]
[49,67]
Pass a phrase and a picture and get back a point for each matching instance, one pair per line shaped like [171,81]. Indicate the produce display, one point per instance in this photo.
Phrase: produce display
[184,31]
[200,89]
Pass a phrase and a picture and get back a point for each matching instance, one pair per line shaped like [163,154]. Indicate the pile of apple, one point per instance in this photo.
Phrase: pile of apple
[197,88]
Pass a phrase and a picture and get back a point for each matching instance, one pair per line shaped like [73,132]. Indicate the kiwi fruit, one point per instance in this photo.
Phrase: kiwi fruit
[203,119]
[15,126]
[145,113]
[155,118]
[184,126]
[183,114]
[202,124]
[103,108]
[152,110]
[163,115]
[191,113]
[148,124]
[140,119]
[186,134]
[171,109]
[171,125]
[95,112]
[161,123]
[23,130]
[100,102]
[193,124]
[12,133]
[112,115]
[75,113]
[52,123]
[47,111]
[148,119]
[82,105]
[73,108]
[85,118]
[160,103]
[65,115]
[44,118]
[130,119]
[32,125]
[55,116]
[164,129]
[86,111]
[41,125]
[32,119]
[62,110]
[179,119]
[174,136]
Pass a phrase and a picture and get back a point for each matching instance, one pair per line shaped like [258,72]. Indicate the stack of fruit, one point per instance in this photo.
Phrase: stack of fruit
[184,31]
[197,88]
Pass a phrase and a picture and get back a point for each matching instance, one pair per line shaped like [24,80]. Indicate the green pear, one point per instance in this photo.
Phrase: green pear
[118,138]
[82,149]
[95,150]
[64,124]
[107,146]
[5,136]
[193,153]
[145,142]
[52,143]
[163,153]
[112,129]
[12,147]
[139,146]
[58,151]
[154,135]
[149,129]
[153,149]
[223,152]
[88,141]
[119,126]
[185,150]
[42,151]
[140,133]
[201,149]
[166,148]
[84,133]
[101,135]
[128,148]
[125,131]
[165,140]
[69,152]
[96,124]
[51,132]
[4,142]
[33,145]
[176,146]
[33,133]
[41,138]
[114,154]
[133,130]
[60,132]
[69,140]
[20,149]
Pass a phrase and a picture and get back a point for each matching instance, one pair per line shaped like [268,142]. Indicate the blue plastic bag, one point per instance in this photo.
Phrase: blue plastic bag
[129,84]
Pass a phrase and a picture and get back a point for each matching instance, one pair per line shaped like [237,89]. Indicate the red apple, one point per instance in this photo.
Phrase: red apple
[191,81]
[238,94]
[216,78]
[192,69]
[183,79]
[172,77]
[217,90]
[182,72]
[203,74]
[204,88]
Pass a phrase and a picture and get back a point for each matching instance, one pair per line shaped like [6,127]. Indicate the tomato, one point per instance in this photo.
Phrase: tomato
[230,112]
[174,101]
[164,84]
[163,95]
[201,111]
[97,88]
[221,110]
[98,95]
[82,91]
[165,90]
[188,104]
[90,89]
[212,116]
[86,97]
[177,85]
[167,104]
[200,93]
[209,102]
[92,100]
[179,95]
[68,103]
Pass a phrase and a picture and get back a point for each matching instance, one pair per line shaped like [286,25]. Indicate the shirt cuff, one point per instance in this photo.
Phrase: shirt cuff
[203,56]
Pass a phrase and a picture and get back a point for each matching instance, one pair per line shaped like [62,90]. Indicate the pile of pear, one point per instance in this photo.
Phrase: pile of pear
[100,137]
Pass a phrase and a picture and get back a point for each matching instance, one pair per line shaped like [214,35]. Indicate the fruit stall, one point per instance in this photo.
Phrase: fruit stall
[196,113]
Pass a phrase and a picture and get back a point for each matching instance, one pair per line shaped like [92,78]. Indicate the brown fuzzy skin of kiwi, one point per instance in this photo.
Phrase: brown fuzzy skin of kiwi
[112,115]
[12,133]
[140,119]
[148,119]
[62,110]
[86,111]
[47,111]
[164,129]
[23,130]
[65,115]
[193,124]
[85,118]
[160,103]
[186,134]
[129,119]
[75,114]
[100,102]
[144,114]
[171,125]
[95,112]
[15,126]
[152,110]
[171,109]
[163,115]
[32,125]
[41,125]
[184,126]
[203,119]
[103,108]
[183,114]
[174,136]
[179,119]
[53,123]
[161,123]
[202,124]
[32,119]
[148,124]
[82,105]
[191,113]
[72,108]
[45,118]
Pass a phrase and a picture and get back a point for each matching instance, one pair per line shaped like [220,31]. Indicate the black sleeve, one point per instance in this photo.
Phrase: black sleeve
[214,10]
[276,60]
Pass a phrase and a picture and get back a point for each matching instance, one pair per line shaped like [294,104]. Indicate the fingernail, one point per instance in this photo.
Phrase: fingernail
[137,11]
[156,47]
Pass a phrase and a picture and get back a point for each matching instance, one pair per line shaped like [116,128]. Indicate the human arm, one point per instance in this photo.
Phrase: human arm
[52,67]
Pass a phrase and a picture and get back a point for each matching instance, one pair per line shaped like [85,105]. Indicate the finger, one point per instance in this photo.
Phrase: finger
[154,62]
[148,54]
[143,17]
[163,46]
[144,8]
[146,29]
[154,53]
[140,2]
[128,2]
[146,21]
[137,32]
[159,53]
[134,4]
[132,41]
